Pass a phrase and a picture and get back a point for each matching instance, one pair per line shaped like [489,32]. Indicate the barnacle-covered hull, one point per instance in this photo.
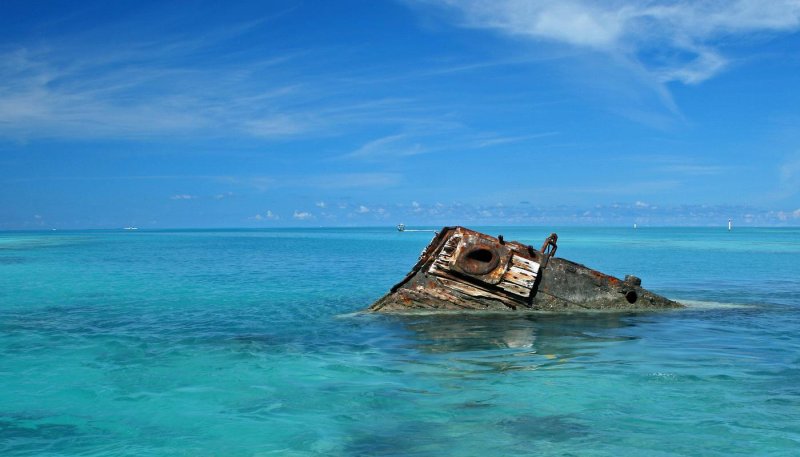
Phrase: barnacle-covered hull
[462,269]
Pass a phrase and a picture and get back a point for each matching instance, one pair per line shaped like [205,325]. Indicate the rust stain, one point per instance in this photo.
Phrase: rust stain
[605,277]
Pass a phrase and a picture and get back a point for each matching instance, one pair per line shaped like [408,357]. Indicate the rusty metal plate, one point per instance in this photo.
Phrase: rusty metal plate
[481,257]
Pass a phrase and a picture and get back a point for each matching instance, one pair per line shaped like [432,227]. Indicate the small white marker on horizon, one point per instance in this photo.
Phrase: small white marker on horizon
[634,226]
[730,225]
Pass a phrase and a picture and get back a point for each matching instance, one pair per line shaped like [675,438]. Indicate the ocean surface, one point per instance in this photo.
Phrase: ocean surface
[251,343]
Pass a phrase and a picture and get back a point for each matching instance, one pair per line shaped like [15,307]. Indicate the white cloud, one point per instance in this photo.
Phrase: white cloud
[694,170]
[498,140]
[269,215]
[321,205]
[302,215]
[447,213]
[352,180]
[183,197]
[318,181]
[133,89]
[670,40]
[223,195]
[389,146]
[278,125]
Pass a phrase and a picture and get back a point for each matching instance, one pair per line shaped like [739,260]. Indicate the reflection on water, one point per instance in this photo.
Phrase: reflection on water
[542,334]
[481,346]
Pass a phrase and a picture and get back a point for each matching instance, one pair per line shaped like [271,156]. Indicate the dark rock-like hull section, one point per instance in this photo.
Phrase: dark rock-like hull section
[466,270]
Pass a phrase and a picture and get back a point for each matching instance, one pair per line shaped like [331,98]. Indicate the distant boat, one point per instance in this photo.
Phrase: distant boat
[130,228]
[402,228]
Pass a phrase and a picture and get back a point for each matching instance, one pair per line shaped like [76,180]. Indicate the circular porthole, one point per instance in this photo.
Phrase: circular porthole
[478,261]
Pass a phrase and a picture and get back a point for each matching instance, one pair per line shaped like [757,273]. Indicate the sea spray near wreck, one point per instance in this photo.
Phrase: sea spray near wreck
[462,269]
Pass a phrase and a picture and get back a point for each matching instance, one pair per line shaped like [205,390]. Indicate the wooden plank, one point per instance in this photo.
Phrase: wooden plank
[520,277]
[439,294]
[522,272]
[476,292]
[440,300]
[466,289]
[514,288]
[525,264]
[441,265]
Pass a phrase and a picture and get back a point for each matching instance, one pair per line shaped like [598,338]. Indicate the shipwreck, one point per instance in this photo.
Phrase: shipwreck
[463,270]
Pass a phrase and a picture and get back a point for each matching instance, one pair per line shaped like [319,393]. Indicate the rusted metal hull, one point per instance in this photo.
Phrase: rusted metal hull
[462,269]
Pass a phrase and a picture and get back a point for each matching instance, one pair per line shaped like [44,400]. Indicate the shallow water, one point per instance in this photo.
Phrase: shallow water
[242,343]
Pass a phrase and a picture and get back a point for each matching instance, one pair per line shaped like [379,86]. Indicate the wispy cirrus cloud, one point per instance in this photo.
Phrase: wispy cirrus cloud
[354,180]
[259,182]
[62,92]
[180,87]
[682,165]
[399,145]
[323,181]
[280,125]
[671,40]
[694,169]
[494,140]
[58,91]
[84,87]
[434,140]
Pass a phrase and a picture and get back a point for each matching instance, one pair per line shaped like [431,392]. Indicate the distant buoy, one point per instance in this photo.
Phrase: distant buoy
[730,225]
[634,226]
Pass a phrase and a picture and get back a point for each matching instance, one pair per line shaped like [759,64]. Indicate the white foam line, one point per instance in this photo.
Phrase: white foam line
[690,304]
[699,304]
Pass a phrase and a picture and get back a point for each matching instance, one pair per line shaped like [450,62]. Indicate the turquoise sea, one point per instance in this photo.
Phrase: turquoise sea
[250,343]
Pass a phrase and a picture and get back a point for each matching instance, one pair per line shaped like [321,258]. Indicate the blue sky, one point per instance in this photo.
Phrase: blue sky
[318,113]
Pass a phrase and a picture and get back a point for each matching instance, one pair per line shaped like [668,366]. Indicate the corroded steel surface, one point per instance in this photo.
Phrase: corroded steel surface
[462,269]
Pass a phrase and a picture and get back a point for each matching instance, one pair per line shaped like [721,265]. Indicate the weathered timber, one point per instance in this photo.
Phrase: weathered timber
[462,269]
